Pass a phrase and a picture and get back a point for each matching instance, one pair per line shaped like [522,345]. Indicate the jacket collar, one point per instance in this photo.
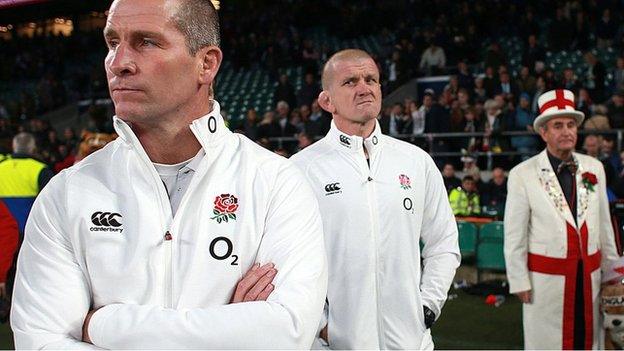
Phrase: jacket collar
[354,143]
[208,129]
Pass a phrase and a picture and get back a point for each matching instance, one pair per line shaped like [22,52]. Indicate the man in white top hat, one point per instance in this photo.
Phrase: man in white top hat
[558,233]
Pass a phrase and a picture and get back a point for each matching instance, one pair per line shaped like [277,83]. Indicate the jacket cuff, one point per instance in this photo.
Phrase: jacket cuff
[517,285]
[97,323]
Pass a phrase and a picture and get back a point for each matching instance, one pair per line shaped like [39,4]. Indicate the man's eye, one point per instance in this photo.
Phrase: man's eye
[148,42]
[112,43]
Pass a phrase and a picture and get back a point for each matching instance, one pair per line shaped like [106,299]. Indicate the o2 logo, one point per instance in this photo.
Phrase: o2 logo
[221,248]
[408,205]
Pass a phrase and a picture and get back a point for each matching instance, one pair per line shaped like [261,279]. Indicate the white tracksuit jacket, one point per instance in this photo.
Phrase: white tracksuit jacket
[373,220]
[96,237]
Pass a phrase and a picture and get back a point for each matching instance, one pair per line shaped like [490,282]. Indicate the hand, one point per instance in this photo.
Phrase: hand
[3,292]
[85,326]
[524,296]
[255,284]
[323,334]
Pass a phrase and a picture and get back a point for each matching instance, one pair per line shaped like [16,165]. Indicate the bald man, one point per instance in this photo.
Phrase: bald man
[379,198]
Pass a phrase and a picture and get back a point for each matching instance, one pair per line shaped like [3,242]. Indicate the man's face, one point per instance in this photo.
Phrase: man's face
[448,171]
[469,185]
[355,91]
[498,176]
[560,134]
[591,145]
[462,97]
[427,101]
[149,69]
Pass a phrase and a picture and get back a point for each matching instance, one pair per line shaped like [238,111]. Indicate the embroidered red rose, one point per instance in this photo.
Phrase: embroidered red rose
[589,180]
[224,207]
[405,181]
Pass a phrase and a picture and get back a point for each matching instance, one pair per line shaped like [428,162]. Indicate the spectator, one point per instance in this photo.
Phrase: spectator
[523,121]
[494,193]
[465,199]
[591,146]
[397,71]
[296,121]
[540,88]
[569,81]
[450,180]
[437,120]
[465,78]
[493,125]
[605,29]
[304,141]
[582,32]
[490,81]
[585,103]
[309,91]
[533,55]
[267,128]
[433,60]
[70,139]
[249,126]
[494,56]
[479,92]
[397,120]
[618,74]
[66,159]
[609,155]
[284,91]
[595,77]
[418,118]
[599,121]
[615,109]
[506,87]
[21,178]
[526,81]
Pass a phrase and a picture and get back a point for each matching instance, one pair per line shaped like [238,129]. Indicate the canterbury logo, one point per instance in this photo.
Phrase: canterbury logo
[106,219]
[345,140]
[332,188]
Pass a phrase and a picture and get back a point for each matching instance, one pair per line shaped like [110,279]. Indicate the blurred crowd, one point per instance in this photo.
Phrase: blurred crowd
[487,92]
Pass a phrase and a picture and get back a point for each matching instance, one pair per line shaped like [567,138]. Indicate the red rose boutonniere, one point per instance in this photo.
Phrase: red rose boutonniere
[589,180]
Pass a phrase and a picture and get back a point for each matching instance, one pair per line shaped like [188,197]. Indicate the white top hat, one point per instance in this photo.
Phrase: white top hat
[557,103]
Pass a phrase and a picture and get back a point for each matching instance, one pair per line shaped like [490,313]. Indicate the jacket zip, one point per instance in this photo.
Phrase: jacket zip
[370,192]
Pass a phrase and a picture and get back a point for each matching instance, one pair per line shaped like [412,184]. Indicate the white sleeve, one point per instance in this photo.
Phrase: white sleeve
[607,237]
[439,235]
[51,296]
[289,319]
[517,215]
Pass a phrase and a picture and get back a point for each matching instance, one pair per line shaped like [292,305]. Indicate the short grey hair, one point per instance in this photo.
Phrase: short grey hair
[24,143]
[198,20]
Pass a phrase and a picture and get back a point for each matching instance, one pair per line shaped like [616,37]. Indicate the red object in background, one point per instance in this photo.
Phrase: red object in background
[8,240]
[65,163]
[490,300]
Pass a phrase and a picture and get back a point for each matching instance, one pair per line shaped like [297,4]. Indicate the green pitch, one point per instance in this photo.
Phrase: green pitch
[466,323]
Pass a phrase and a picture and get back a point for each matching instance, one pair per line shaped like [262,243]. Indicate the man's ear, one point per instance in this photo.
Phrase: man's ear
[210,61]
[325,102]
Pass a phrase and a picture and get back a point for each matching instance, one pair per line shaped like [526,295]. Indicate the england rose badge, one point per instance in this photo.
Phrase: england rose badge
[225,206]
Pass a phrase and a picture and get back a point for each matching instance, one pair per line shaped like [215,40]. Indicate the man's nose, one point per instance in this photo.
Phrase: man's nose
[122,61]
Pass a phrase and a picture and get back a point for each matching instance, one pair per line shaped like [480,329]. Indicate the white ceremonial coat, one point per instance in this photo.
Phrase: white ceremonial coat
[543,244]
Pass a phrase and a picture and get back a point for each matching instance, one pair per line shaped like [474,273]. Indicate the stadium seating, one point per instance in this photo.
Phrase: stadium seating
[490,252]
[468,236]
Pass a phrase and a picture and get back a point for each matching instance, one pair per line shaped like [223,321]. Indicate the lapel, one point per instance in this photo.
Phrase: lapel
[550,184]
[582,194]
